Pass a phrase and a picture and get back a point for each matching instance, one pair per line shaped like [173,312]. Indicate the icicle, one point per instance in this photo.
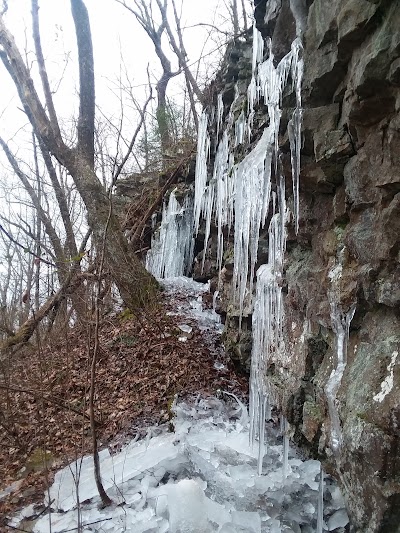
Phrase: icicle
[215,297]
[262,447]
[153,221]
[203,152]
[320,509]
[208,209]
[294,127]
[258,48]
[267,318]
[220,112]
[240,128]
[285,452]
[252,90]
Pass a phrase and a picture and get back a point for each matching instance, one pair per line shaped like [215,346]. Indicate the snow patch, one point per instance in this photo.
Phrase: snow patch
[387,384]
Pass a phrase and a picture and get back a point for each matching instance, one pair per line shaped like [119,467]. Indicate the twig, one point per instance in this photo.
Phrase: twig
[84,525]
[9,236]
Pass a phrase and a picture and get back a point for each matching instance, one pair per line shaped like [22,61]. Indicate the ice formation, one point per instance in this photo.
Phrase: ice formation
[273,7]
[299,10]
[202,478]
[340,321]
[340,325]
[242,191]
[171,250]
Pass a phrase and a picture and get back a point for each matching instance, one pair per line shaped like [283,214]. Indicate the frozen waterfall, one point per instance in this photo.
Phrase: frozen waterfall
[249,194]
[171,250]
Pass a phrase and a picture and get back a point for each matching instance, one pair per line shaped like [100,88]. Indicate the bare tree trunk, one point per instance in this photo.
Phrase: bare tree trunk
[235,18]
[42,68]
[162,117]
[86,81]
[244,14]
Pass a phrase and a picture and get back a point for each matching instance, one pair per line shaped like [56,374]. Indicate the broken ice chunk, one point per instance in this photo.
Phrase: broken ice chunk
[217,513]
[241,472]
[185,328]
[187,508]
[249,520]
[337,498]
[233,528]
[338,519]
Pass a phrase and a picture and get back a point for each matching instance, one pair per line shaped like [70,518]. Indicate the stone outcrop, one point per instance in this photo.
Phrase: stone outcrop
[348,242]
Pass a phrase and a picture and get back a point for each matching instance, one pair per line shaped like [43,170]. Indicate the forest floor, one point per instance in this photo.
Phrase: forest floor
[144,362]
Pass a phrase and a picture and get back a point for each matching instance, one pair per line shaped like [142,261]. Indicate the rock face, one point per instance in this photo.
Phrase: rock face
[348,242]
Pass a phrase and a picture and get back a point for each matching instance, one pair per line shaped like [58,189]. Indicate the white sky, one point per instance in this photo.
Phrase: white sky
[114,30]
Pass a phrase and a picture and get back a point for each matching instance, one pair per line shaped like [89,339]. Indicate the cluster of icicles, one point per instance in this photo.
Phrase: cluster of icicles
[243,196]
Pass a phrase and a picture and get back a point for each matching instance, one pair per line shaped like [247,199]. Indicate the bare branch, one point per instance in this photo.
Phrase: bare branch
[132,143]
[24,248]
[51,232]
[18,71]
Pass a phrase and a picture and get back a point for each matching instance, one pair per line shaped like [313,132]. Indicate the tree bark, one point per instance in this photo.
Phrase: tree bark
[86,81]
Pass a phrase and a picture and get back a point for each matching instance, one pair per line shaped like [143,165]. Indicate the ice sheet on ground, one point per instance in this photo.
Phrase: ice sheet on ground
[192,305]
[201,478]
[115,470]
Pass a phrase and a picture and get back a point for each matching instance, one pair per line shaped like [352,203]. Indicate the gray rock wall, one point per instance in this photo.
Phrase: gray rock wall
[349,219]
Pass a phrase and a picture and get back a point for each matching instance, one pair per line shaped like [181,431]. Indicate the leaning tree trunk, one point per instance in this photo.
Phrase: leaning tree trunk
[137,287]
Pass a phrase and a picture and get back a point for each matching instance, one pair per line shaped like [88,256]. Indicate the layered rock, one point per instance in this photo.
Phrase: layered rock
[346,255]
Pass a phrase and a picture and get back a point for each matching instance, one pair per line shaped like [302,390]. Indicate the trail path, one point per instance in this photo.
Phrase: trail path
[200,477]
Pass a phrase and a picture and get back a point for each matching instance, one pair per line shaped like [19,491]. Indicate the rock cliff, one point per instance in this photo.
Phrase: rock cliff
[341,284]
